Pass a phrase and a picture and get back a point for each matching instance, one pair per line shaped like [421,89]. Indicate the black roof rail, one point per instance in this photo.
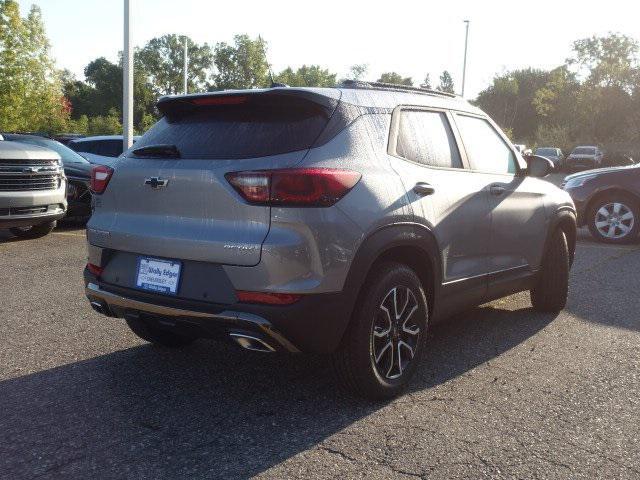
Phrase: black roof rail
[393,87]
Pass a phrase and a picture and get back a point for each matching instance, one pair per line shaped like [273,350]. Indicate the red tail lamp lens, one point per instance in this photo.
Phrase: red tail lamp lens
[94,269]
[304,187]
[100,176]
[268,298]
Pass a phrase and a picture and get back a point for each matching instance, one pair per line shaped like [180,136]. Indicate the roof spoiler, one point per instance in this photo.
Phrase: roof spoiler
[174,103]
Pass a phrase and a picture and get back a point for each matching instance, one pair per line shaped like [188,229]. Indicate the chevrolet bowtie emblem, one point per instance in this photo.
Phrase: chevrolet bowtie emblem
[156,182]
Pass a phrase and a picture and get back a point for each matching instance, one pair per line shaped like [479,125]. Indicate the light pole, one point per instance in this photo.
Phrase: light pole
[186,64]
[127,80]
[464,66]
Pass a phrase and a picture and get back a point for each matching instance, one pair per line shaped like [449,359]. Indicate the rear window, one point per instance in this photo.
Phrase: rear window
[252,127]
[584,151]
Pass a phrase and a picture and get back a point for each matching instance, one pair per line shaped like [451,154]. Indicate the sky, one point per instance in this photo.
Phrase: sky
[410,37]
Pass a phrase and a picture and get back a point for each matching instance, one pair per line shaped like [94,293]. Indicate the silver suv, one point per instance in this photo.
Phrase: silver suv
[32,189]
[342,221]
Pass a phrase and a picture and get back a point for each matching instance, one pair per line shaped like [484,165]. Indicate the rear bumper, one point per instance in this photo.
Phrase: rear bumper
[315,324]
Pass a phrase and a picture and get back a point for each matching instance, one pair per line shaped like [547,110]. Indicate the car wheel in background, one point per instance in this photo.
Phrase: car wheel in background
[614,218]
[35,231]
[552,287]
[384,342]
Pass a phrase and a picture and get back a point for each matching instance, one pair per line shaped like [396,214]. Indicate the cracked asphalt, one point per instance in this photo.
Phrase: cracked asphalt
[503,392]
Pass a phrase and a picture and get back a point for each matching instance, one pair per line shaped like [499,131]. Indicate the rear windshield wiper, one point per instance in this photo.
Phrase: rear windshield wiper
[159,150]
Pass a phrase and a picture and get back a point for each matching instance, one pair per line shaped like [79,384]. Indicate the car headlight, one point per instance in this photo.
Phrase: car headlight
[577,182]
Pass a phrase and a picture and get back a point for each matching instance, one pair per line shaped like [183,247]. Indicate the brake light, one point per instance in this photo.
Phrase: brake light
[95,269]
[100,176]
[267,298]
[220,100]
[304,187]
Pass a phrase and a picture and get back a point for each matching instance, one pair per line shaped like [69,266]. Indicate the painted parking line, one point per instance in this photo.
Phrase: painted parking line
[67,234]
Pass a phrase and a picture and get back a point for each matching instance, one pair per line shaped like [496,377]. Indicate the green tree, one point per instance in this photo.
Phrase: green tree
[162,59]
[102,91]
[609,61]
[30,88]
[106,125]
[307,76]
[446,83]
[395,78]
[357,71]
[241,65]
[427,82]
[510,101]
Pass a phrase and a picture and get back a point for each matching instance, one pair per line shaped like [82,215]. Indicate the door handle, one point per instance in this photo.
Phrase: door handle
[423,188]
[497,190]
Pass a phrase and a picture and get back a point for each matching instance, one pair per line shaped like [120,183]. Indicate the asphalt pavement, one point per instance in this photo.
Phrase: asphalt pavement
[503,392]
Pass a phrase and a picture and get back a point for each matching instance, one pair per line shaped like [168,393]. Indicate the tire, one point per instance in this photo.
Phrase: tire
[35,231]
[372,330]
[608,225]
[156,335]
[552,288]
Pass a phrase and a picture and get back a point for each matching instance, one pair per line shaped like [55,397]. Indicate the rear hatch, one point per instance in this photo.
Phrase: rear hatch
[168,196]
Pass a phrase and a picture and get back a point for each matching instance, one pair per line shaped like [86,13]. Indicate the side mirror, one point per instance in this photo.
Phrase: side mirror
[538,166]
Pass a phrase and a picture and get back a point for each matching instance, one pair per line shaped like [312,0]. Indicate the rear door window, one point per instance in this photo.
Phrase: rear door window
[425,137]
[250,127]
[486,149]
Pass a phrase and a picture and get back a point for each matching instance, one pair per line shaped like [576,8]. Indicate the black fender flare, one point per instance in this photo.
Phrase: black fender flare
[564,217]
[384,239]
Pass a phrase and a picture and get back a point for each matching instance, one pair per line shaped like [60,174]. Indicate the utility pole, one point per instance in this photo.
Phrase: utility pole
[464,66]
[127,80]
[186,64]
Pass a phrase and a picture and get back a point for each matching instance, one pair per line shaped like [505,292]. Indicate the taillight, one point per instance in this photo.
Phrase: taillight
[95,269]
[303,187]
[100,176]
[268,298]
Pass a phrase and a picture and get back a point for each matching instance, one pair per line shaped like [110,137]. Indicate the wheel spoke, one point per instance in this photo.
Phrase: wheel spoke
[384,349]
[383,333]
[617,207]
[395,303]
[399,357]
[603,211]
[625,229]
[392,362]
[627,216]
[611,232]
[404,344]
[602,224]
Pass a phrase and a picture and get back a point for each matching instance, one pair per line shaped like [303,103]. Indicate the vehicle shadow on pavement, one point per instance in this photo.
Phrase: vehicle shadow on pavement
[210,410]
[603,281]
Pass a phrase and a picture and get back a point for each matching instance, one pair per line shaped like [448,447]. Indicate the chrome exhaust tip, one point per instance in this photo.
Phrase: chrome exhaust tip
[98,307]
[252,343]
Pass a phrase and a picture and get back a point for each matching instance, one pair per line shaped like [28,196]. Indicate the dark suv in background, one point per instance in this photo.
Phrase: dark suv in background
[339,220]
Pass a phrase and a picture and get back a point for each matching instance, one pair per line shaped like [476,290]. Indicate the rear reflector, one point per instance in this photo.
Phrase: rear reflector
[94,269]
[100,176]
[267,298]
[303,187]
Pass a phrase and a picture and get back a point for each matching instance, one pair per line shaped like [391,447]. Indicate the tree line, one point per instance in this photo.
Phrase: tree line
[592,98]
[34,96]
